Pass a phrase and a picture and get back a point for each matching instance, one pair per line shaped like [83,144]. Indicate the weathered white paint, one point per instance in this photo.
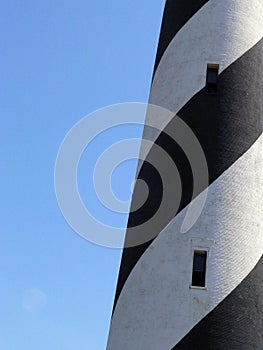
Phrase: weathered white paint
[220,32]
[156,308]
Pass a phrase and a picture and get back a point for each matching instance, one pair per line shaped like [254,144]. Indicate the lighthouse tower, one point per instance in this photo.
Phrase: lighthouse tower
[200,287]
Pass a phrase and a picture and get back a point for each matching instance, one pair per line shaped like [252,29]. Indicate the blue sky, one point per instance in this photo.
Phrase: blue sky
[61,60]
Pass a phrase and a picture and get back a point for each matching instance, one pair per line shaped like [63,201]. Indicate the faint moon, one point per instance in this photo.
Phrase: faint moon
[34,300]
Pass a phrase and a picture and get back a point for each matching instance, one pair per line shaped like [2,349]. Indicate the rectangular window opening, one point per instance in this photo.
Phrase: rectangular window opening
[212,78]
[199,268]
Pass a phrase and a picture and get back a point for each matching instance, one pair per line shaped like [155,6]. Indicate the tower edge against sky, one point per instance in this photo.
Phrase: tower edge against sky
[157,306]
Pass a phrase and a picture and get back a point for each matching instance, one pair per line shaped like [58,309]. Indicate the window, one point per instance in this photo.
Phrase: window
[199,268]
[212,78]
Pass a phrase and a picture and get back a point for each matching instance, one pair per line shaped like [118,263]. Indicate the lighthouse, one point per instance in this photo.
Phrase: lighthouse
[201,286]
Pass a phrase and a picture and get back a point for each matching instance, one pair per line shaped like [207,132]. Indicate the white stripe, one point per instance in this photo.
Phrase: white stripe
[156,308]
[221,31]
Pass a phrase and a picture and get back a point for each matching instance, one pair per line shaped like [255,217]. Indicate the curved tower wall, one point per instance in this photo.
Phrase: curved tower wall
[156,307]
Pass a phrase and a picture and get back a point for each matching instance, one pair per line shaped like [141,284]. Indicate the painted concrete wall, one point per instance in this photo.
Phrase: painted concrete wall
[154,307]
[220,32]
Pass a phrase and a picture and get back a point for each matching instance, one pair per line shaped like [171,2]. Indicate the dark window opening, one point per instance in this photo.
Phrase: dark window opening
[199,269]
[212,78]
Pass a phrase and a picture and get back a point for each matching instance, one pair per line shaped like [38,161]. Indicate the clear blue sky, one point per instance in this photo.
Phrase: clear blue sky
[61,60]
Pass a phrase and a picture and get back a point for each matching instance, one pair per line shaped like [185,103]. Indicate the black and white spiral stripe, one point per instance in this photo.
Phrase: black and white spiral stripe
[154,308]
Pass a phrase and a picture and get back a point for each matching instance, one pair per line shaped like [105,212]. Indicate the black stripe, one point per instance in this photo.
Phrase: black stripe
[226,124]
[176,14]
[236,323]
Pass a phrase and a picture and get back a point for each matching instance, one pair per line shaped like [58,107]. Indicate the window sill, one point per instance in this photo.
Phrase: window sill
[198,288]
